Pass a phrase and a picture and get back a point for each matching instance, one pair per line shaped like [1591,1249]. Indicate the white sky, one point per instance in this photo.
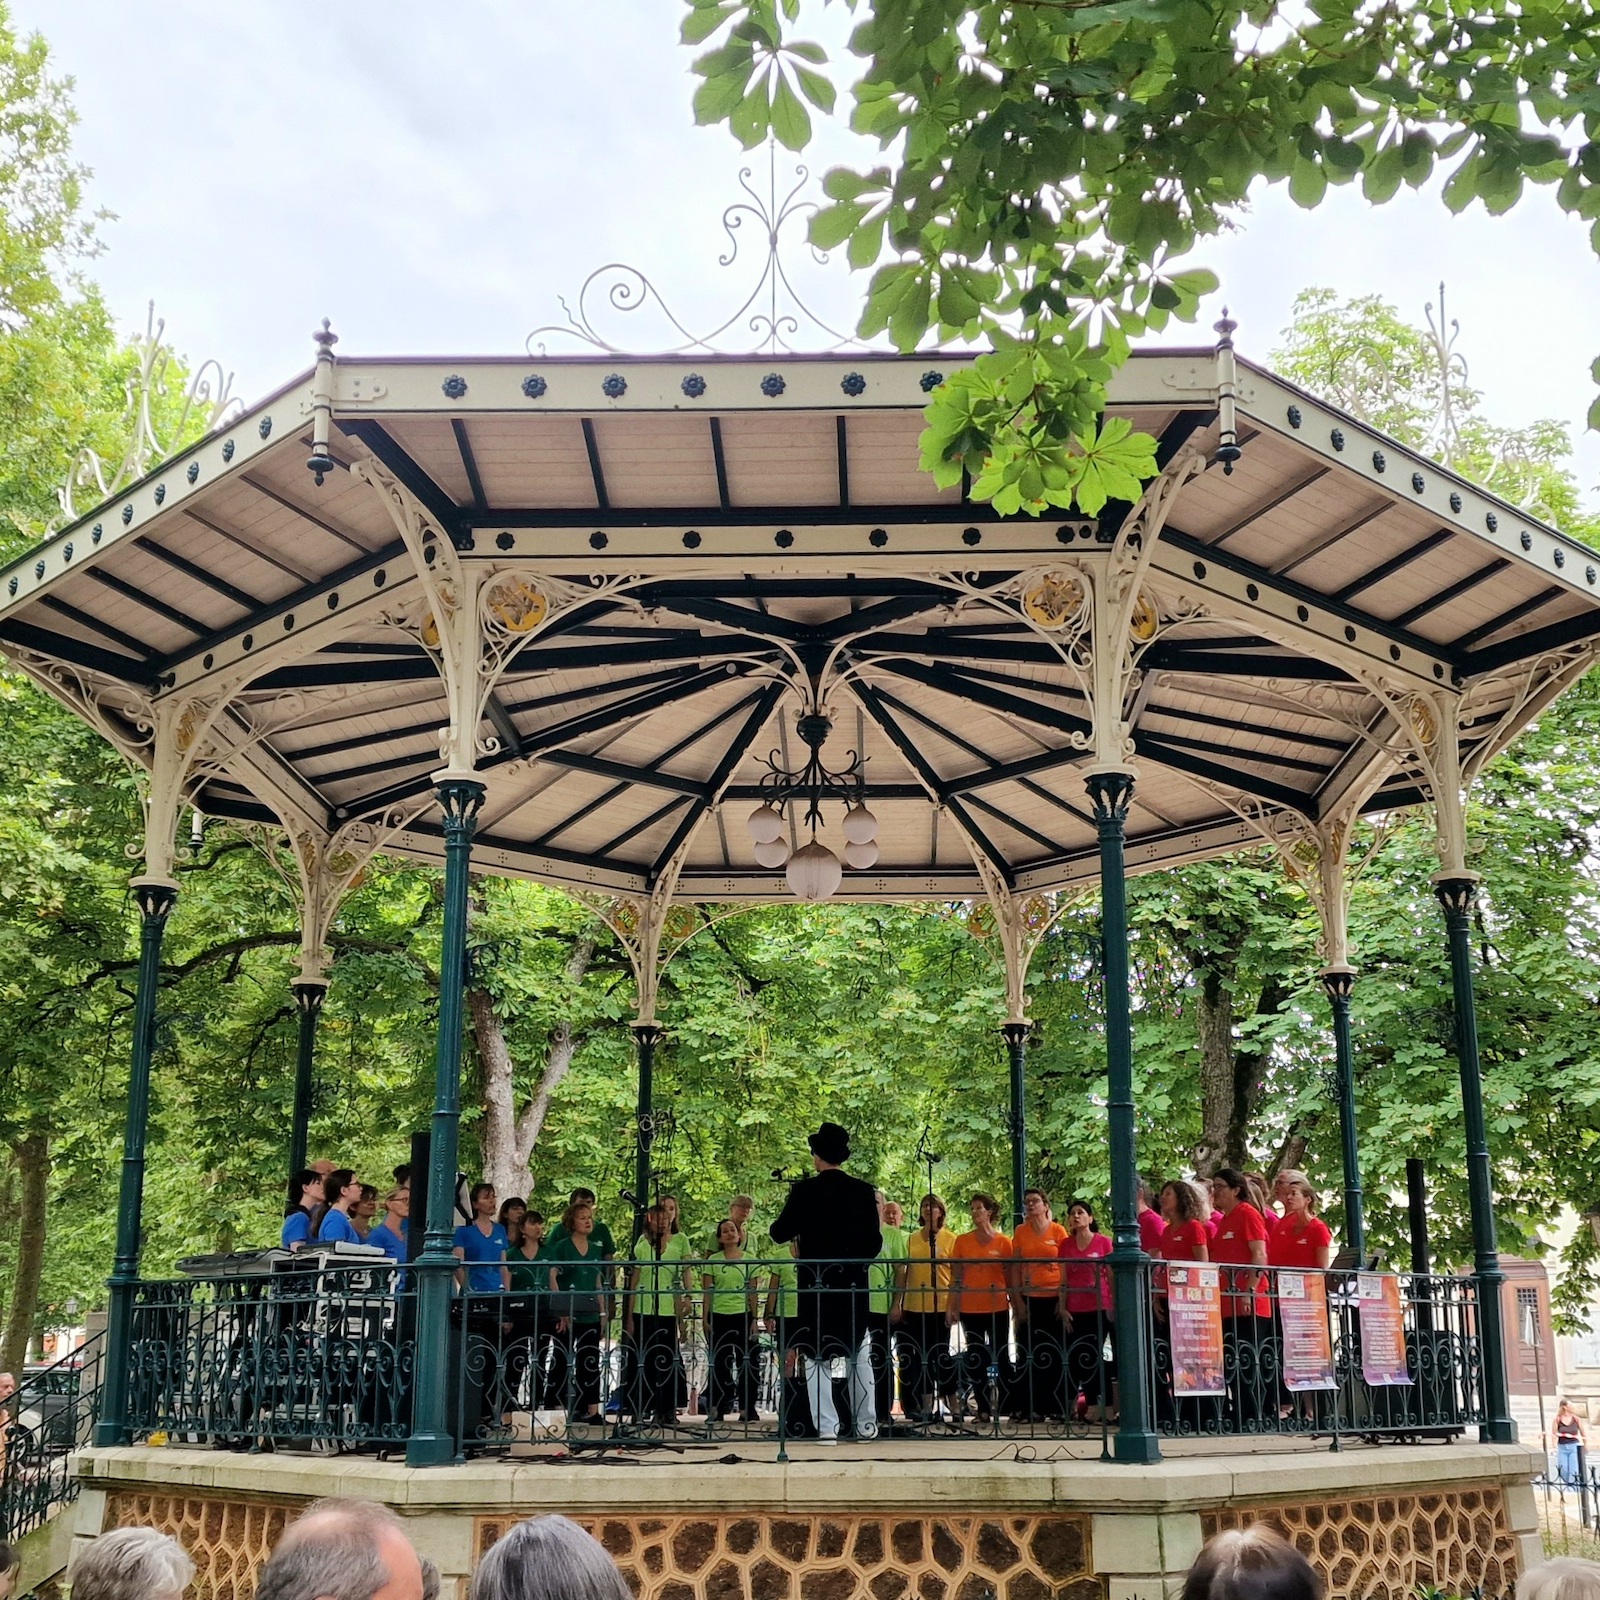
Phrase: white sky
[432,177]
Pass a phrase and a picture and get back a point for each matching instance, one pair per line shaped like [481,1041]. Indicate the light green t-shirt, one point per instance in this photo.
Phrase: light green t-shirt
[731,1284]
[660,1282]
[788,1280]
[880,1275]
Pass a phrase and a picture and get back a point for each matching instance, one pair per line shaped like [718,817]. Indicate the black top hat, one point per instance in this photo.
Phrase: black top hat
[830,1143]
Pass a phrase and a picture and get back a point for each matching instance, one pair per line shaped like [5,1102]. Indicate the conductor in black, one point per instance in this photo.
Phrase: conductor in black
[835,1218]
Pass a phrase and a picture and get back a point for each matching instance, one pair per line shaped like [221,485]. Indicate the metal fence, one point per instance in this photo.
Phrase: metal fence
[320,1357]
[49,1416]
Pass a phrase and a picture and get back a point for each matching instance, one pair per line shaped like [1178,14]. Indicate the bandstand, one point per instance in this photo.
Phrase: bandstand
[572,618]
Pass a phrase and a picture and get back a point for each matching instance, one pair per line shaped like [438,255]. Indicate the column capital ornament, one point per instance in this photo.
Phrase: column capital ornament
[309,994]
[460,799]
[155,897]
[1456,893]
[1016,1031]
[1338,982]
[1111,792]
[647,1034]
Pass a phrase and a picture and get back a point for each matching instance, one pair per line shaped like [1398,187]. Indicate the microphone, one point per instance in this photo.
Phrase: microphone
[632,1199]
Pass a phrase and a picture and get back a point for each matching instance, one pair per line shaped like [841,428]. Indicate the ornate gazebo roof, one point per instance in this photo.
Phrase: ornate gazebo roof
[663,553]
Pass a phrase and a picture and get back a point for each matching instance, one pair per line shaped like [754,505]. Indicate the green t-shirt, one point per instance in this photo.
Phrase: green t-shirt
[529,1273]
[880,1275]
[731,1285]
[601,1236]
[576,1274]
[660,1282]
[788,1280]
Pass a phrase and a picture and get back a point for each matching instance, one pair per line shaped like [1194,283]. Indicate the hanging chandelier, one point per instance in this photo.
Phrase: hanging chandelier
[813,871]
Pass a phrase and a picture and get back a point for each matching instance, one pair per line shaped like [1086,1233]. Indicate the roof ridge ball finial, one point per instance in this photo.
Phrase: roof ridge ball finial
[1228,447]
[320,462]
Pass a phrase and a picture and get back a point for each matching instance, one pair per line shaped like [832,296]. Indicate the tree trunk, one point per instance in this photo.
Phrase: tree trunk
[509,1135]
[1218,1084]
[32,1156]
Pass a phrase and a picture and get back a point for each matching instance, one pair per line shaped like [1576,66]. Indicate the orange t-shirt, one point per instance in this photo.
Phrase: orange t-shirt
[983,1272]
[1038,1258]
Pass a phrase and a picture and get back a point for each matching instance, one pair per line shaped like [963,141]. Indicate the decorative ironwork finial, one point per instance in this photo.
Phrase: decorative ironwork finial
[1228,450]
[773,311]
[320,462]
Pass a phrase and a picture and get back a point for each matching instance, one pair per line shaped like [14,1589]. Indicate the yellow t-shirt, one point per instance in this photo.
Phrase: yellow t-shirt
[921,1272]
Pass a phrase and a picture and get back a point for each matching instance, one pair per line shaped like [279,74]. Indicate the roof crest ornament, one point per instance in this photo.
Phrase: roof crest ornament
[775,310]
[208,402]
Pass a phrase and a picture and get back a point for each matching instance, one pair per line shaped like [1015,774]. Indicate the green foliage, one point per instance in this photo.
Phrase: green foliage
[1051,163]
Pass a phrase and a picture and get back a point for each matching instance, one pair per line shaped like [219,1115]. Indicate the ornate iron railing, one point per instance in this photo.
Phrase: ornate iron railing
[322,1358]
[49,1416]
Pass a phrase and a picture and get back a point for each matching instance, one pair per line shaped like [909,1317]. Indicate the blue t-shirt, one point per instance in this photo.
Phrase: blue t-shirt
[476,1246]
[337,1228]
[296,1228]
[388,1241]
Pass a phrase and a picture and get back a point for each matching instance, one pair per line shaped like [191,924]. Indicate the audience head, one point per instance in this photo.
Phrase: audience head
[548,1558]
[533,1228]
[1562,1578]
[305,1188]
[131,1564]
[8,1385]
[1254,1563]
[431,1582]
[343,1550]
[340,1184]
[986,1203]
[1087,1219]
[10,1565]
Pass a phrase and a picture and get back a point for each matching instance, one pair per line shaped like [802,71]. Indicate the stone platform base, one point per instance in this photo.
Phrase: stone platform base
[873,1522]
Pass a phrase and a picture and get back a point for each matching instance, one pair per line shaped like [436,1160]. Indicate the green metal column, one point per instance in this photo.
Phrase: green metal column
[1339,984]
[308,998]
[646,1036]
[1016,1037]
[1136,1440]
[155,899]
[431,1442]
[1456,896]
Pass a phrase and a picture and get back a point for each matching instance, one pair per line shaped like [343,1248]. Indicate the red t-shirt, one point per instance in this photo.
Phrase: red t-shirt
[1183,1241]
[1084,1293]
[1292,1247]
[1151,1228]
[1235,1234]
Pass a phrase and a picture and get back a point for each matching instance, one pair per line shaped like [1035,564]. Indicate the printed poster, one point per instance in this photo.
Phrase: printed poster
[1307,1343]
[1383,1339]
[1194,1313]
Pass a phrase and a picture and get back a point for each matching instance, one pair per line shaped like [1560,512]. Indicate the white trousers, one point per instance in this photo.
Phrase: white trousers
[819,1385]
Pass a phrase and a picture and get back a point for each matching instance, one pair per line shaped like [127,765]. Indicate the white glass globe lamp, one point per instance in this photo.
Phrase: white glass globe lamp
[860,826]
[772,853]
[861,856]
[814,872]
[765,824]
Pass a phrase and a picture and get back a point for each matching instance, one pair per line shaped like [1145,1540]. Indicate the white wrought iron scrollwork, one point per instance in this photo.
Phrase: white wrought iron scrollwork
[773,311]
[205,405]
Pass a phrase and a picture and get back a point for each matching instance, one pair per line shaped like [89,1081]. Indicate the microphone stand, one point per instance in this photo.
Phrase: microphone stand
[926,1154]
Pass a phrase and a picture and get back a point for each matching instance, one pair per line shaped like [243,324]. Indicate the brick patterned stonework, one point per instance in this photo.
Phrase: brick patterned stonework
[772,1557]
[1386,1546]
[228,1540]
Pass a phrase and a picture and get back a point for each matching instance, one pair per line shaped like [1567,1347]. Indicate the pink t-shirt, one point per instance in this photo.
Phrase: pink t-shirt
[1088,1288]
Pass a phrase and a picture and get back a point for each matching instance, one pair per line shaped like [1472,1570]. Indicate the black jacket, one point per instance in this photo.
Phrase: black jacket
[834,1216]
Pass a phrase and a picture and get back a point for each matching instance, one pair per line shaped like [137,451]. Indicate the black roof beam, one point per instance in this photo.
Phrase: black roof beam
[84,620]
[1525,608]
[1158,750]
[875,708]
[1053,847]
[230,592]
[1326,541]
[1451,592]
[598,803]
[239,542]
[148,601]
[950,682]
[304,512]
[719,460]
[1234,753]
[469,464]
[1254,730]
[1266,510]
[644,825]
[62,647]
[1570,630]
[842,447]
[1167,656]
[1387,569]
[330,674]
[1301,593]
[440,506]
[597,471]
[623,772]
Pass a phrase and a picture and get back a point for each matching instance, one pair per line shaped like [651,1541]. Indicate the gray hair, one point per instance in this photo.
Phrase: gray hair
[548,1558]
[330,1552]
[430,1579]
[132,1564]
[1564,1578]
